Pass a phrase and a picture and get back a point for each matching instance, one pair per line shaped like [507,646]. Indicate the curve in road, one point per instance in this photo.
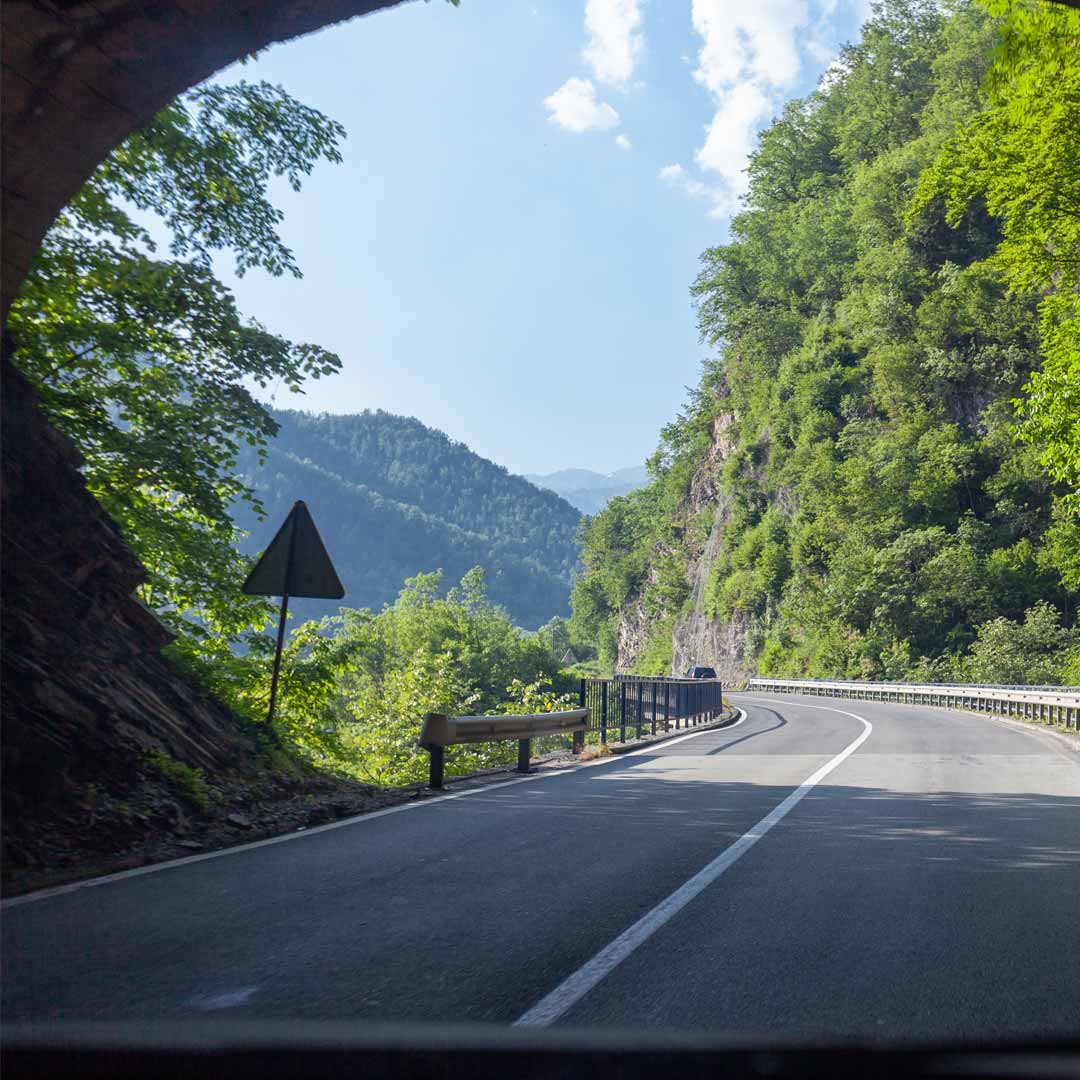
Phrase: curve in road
[923,887]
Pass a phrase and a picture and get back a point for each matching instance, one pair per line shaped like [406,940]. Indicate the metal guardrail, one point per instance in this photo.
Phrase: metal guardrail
[637,704]
[641,703]
[1049,705]
[440,731]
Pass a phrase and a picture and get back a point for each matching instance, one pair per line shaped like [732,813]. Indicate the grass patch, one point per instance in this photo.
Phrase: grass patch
[191,783]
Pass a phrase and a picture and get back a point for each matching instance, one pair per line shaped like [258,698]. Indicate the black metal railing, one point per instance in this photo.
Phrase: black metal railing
[636,705]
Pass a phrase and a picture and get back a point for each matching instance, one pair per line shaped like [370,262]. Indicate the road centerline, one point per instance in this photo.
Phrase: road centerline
[560,1000]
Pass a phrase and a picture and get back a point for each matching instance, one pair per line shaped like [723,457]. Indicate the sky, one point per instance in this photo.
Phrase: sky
[507,248]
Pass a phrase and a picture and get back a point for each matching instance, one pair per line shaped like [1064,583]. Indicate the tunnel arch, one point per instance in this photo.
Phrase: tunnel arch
[81,75]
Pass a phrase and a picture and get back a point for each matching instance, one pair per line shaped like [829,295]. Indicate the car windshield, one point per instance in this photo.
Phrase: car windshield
[550,515]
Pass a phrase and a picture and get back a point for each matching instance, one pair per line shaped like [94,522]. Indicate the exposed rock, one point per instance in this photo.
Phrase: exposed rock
[705,484]
[85,691]
[697,639]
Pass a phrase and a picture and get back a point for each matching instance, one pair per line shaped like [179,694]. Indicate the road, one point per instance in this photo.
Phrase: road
[924,887]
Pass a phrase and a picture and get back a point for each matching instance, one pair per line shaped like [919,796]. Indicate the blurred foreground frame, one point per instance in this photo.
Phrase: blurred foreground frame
[279,1049]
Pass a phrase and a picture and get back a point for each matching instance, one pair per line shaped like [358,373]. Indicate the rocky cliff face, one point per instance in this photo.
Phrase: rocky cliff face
[697,639]
[86,694]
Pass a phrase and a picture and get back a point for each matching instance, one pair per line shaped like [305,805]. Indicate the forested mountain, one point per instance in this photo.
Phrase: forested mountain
[393,498]
[591,491]
[844,493]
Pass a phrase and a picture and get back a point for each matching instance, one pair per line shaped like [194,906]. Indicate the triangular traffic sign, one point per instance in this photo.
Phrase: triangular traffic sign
[295,563]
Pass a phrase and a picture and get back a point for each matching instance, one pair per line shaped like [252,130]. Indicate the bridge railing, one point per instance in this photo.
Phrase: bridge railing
[1049,705]
[646,705]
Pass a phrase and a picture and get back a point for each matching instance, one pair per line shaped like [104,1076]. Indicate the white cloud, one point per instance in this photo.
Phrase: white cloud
[623,142]
[751,58]
[675,176]
[756,41]
[615,40]
[730,135]
[750,55]
[574,108]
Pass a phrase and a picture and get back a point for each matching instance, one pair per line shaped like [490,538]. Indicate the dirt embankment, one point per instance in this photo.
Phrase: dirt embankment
[105,744]
[165,817]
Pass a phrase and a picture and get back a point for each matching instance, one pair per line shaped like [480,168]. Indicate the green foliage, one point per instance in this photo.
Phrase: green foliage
[145,362]
[1035,651]
[191,783]
[656,657]
[1019,156]
[354,688]
[844,483]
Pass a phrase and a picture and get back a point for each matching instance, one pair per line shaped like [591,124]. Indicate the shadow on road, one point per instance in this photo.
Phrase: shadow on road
[781,722]
[981,833]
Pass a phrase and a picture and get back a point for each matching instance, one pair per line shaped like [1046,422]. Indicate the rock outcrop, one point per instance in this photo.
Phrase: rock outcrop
[86,694]
[696,638]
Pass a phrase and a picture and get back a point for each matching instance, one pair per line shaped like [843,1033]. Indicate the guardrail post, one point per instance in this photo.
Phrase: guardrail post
[652,706]
[640,695]
[622,712]
[603,712]
[435,772]
[523,755]
[577,742]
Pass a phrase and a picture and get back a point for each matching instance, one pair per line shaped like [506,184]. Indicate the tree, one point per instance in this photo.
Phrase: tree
[427,653]
[145,362]
[1019,155]
[1035,651]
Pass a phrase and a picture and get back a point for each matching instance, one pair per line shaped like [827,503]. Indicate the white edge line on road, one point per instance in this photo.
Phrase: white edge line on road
[357,819]
[572,990]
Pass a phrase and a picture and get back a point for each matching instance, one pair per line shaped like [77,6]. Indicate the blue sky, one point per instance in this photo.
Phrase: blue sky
[506,250]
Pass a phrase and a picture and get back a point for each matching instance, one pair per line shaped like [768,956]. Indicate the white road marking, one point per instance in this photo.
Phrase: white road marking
[572,990]
[228,999]
[357,819]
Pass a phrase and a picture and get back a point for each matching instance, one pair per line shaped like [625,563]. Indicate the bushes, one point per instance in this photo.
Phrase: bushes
[1037,651]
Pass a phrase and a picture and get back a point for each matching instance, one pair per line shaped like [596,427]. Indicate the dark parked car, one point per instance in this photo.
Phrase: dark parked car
[698,672]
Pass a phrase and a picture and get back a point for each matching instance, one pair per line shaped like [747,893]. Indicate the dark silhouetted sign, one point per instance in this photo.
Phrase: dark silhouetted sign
[295,564]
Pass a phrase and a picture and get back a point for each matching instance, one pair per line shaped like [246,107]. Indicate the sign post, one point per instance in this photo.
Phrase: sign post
[295,564]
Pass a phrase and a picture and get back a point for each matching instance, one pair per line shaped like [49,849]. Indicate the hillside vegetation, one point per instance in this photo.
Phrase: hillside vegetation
[873,477]
[393,498]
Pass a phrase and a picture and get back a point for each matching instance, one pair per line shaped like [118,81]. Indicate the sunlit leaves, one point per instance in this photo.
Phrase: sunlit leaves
[1020,157]
[145,363]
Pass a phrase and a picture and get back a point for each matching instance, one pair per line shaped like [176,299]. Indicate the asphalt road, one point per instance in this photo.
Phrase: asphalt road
[926,887]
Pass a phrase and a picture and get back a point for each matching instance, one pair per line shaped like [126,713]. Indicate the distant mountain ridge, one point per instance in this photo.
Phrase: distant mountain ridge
[591,491]
[393,498]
